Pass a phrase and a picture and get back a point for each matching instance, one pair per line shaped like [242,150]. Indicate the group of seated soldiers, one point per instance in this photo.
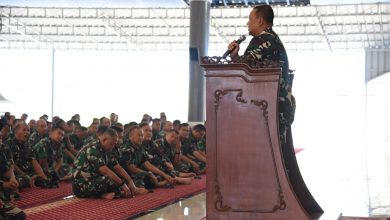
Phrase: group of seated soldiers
[106,160]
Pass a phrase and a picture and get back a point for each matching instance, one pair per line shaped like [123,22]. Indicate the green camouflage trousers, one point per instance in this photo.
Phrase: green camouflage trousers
[94,187]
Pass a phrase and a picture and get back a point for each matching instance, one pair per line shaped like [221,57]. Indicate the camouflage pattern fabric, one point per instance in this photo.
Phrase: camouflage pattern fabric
[34,138]
[268,46]
[8,210]
[87,181]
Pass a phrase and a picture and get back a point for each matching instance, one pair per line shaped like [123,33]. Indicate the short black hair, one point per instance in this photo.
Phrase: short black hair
[176,122]
[266,12]
[101,129]
[117,128]
[199,127]
[183,125]
[143,124]
[156,119]
[132,128]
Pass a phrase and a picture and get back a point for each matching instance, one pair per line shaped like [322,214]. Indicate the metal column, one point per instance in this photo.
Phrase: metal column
[199,42]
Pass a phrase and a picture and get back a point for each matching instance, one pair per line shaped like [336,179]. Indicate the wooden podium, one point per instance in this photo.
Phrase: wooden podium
[247,177]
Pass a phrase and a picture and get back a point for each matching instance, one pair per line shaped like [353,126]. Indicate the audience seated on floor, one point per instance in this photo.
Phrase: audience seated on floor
[44,156]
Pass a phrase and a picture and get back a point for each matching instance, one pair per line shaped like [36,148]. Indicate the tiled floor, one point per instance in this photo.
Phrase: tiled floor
[342,183]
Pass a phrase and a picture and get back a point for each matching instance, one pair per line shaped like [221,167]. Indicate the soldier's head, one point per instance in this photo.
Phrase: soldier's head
[170,136]
[113,118]
[81,132]
[24,117]
[176,124]
[118,127]
[93,128]
[198,131]
[56,133]
[32,124]
[22,132]
[156,124]
[135,135]
[41,127]
[260,18]
[105,121]
[4,129]
[108,138]
[146,130]
[167,125]
[184,129]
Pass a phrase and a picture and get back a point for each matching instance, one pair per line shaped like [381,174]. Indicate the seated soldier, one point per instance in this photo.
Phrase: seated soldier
[8,184]
[156,126]
[91,134]
[77,138]
[115,152]
[176,123]
[166,126]
[32,124]
[69,151]
[39,133]
[19,151]
[95,173]
[47,158]
[197,140]
[157,158]
[4,130]
[105,121]
[198,166]
[136,162]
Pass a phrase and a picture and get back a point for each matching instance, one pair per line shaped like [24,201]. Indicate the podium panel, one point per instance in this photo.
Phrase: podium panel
[246,176]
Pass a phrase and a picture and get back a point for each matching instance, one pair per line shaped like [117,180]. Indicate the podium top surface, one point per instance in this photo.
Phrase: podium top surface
[247,65]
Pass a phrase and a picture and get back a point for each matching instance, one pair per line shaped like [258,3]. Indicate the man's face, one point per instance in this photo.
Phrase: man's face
[93,128]
[32,124]
[57,135]
[167,126]
[156,125]
[136,136]
[108,141]
[147,131]
[198,134]
[171,137]
[106,122]
[113,117]
[254,24]
[183,132]
[4,132]
[22,133]
[120,138]
[41,127]
[80,133]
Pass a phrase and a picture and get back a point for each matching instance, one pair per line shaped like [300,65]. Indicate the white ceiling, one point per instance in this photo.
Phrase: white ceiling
[314,27]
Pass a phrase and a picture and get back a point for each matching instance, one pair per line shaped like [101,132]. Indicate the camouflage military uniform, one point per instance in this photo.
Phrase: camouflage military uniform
[35,138]
[188,146]
[76,141]
[267,46]
[136,155]
[20,154]
[168,153]
[87,181]
[155,135]
[50,150]
[89,138]
[8,211]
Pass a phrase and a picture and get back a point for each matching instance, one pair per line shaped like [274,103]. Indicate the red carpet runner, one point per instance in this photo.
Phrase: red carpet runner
[41,204]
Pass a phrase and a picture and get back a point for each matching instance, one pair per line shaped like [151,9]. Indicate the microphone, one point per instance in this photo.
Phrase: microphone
[241,39]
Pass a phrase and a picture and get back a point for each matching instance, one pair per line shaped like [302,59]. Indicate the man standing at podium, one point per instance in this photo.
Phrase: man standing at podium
[266,45]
